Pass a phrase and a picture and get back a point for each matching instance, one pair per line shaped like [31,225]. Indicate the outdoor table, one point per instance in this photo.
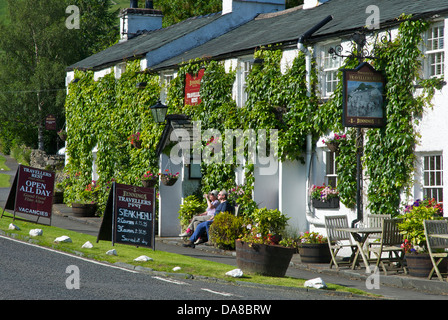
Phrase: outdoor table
[441,235]
[360,235]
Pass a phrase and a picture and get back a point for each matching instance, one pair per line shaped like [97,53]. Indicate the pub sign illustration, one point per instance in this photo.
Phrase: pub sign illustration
[363,97]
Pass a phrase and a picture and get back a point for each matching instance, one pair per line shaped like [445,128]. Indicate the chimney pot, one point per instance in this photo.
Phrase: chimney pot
[149,4]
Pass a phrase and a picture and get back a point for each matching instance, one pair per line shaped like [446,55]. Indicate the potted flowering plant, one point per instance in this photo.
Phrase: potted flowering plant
[416,251]
[324,197]
[313,248]
[135,140]
[259,250]
[149,179]
[332,141]
[86,204]
[169,178]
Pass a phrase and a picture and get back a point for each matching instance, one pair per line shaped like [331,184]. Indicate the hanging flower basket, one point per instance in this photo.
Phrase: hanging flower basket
[135,140]
[168,178]
[62,135]
[333,146]
[168,181]
[137,144]
[149,183]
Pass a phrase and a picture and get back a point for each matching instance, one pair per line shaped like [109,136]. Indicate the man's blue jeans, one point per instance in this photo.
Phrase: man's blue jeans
[200,229]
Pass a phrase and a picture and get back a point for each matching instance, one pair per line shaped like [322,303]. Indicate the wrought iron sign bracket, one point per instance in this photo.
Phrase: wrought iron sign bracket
[359,39]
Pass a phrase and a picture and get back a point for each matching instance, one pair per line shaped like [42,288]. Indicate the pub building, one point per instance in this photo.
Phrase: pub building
[323,30]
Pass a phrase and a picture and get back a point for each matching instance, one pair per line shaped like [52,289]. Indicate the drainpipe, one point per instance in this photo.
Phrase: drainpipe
[310,217]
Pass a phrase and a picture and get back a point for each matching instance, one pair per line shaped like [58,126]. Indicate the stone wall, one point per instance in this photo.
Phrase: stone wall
[39,159]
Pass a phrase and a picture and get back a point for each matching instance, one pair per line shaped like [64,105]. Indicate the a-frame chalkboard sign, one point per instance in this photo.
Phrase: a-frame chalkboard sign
[31,193]
[129,216]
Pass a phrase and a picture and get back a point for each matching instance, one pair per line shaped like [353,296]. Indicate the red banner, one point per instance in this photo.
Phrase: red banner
[192,88]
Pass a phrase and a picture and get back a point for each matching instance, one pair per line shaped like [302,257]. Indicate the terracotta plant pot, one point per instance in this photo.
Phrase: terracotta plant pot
[268,260]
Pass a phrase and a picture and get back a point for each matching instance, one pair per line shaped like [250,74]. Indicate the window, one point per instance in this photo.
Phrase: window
[435,55]
[330,67]
[245,67]
[165,83]
[331,174]
[433,177]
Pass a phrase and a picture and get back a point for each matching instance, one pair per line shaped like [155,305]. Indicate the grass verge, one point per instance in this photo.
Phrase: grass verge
[162,261]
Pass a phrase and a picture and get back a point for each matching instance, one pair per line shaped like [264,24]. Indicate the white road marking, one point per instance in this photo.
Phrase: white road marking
[69,254]
[170,280]
[219,293]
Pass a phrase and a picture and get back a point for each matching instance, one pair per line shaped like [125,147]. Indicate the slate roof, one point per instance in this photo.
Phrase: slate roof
[140,45]
[283,27]
[286,28]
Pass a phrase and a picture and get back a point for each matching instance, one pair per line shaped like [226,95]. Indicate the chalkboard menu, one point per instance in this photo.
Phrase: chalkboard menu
[129,216]
[32,192]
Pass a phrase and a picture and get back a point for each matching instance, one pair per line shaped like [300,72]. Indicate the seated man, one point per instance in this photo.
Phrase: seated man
[203,227]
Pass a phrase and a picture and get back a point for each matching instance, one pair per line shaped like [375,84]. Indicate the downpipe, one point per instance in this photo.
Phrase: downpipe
[310,217]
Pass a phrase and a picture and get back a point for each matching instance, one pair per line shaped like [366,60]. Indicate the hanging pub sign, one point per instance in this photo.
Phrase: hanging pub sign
[129,216]
[31,192]
[363,97]
[192,88]
[50,122]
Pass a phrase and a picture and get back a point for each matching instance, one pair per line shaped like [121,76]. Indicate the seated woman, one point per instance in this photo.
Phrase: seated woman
[212,203]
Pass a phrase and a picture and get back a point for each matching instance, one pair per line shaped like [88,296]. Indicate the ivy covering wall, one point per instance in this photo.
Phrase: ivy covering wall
[106,112]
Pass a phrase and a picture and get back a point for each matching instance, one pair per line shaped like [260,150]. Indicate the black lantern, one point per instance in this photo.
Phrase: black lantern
[159,111]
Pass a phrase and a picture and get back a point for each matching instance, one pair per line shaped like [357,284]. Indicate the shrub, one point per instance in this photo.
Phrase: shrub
[269,221]
[225,229]
[191,207]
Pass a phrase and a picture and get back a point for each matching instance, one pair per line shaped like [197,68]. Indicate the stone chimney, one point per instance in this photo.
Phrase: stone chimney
[309,4]
[135,20]
[252,6]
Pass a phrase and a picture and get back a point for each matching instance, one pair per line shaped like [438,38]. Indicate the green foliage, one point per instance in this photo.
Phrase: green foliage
[190,207]
[412,226]
[104,114]
[389,153]
[36,47]
[269,221]
[225,229]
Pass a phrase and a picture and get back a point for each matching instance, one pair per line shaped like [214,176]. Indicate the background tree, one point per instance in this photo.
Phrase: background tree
[175,11]
[35,48]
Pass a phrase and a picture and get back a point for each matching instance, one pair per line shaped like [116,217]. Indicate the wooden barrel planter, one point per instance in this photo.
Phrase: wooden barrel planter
[420,265]
[149,183]
[58,197]
[267,260]
[84,209]
[314,253]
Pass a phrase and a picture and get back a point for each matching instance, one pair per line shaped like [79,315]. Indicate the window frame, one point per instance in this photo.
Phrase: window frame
[431,52]
[432,184]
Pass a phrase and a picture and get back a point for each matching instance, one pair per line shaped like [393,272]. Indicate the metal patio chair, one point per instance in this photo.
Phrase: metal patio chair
[338,239]
[389,250]
[436,246]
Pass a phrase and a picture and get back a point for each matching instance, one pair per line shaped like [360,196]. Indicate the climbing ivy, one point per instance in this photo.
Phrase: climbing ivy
[390,151]
[106,112]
